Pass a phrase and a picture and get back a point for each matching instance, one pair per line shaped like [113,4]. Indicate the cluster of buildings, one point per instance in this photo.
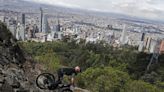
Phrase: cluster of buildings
[24,28]
[150,45]
[42,27]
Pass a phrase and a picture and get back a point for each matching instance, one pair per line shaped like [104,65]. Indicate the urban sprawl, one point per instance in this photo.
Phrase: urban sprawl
[42,27]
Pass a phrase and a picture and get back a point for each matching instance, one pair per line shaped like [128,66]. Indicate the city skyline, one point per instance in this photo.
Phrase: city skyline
[149,9]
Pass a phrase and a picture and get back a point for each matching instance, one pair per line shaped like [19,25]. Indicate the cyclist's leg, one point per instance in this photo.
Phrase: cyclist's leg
[60,78]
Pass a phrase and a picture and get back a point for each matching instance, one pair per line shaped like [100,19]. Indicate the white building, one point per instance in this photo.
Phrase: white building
[2,18]
[20,32]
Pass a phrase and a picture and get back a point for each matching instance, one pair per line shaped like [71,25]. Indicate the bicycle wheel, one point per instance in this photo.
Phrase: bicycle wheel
[44,80]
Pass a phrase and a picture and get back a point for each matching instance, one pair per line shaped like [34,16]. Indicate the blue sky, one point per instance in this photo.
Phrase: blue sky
[151,9]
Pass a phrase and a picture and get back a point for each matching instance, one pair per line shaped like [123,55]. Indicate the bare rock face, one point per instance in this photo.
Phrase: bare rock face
[16,73]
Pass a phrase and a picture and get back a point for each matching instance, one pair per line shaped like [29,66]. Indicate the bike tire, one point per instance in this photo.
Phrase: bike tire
[43,74]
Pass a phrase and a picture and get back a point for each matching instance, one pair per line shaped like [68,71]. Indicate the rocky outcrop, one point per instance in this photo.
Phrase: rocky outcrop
[17,73]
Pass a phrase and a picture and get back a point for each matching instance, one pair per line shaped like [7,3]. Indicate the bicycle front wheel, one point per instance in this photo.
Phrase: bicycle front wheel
[44,80]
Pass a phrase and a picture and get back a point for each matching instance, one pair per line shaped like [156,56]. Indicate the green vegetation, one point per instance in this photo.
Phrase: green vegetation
[140,86]
[50,60]
[105,69]
[104,79]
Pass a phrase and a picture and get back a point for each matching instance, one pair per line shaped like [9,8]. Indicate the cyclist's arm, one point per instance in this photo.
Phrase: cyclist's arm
[72,79]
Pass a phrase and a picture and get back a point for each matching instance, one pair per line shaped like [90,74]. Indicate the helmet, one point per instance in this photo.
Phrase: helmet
[77,69]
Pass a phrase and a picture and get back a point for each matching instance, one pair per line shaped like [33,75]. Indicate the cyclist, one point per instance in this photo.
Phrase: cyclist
[68,72]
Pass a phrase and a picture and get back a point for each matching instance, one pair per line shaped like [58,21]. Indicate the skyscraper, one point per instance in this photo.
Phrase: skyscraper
[123,35]
[153,45]
[41,19]
[2,18]
[141,44]
[58,26]
[148,43]
[20,32]
[143,37]
[45,25]
[162,47]
[23,19]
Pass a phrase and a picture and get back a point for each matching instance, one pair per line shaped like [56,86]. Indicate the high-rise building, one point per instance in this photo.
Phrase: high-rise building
[58,27]
[123,35]
[141,46]
[45,26]
[41,19]
[161,50]
[23,19]
[29,32]
[153,46]
[20,32]
[2,18]
[147,42]
[35,28]
[143,37]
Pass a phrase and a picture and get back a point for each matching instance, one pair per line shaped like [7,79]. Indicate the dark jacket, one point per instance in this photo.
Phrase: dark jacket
[66,71]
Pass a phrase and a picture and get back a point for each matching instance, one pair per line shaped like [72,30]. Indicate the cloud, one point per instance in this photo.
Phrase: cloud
[142,8]
[152,9]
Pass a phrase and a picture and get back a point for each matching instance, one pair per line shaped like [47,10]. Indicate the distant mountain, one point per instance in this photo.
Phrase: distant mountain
[16,5]
[129,18]
[26,6]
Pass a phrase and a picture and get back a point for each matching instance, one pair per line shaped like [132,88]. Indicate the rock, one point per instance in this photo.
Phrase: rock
[16,84]
[2,79]
[22,90]
[1,70]
[76,89]
[6,88]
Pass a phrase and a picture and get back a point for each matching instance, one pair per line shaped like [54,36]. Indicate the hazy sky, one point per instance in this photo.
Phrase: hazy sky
[152,9]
